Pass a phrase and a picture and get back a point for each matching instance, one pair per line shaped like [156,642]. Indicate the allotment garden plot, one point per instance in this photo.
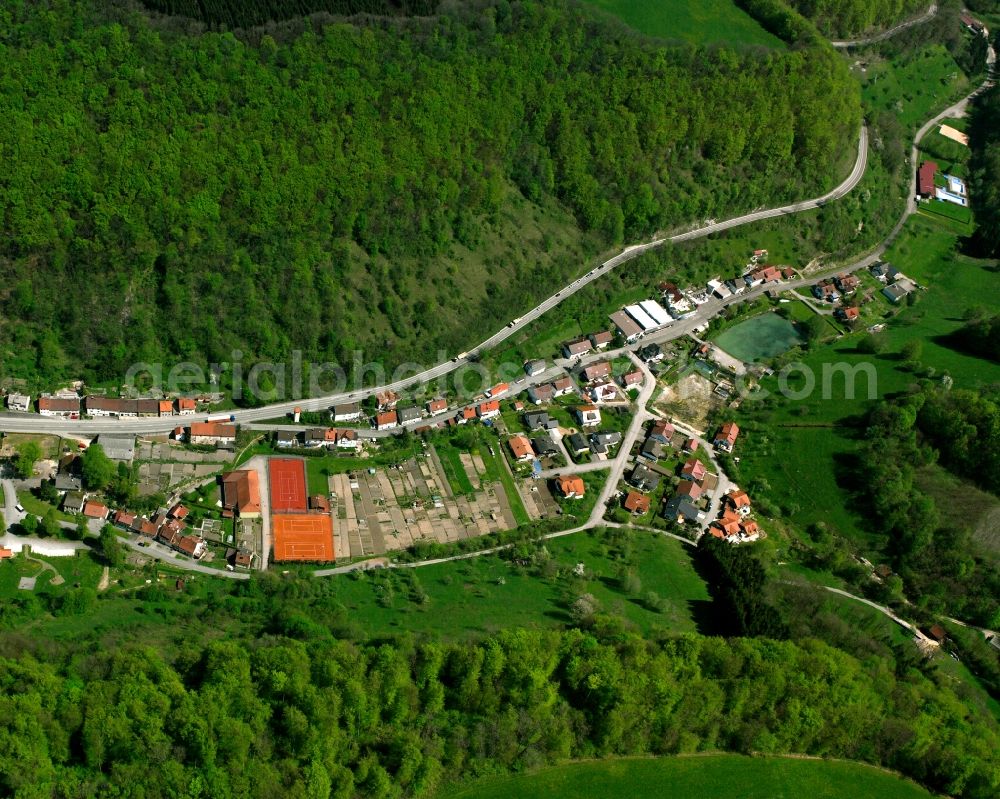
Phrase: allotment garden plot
[383,509]
[164,466]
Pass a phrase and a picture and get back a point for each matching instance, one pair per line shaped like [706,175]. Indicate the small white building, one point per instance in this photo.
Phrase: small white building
[18,402]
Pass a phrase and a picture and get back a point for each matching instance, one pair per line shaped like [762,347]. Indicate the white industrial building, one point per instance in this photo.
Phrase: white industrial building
[644,320]
[656,311]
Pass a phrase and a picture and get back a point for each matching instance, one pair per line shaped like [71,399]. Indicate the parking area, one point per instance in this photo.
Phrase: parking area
[380,510]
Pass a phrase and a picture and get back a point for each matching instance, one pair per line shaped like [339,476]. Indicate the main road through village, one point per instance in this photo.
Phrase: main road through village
[31,423]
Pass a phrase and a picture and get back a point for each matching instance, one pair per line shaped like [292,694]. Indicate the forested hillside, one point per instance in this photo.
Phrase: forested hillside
[325,718]
[395,188]
[986,171]
[846,17]
[247,13]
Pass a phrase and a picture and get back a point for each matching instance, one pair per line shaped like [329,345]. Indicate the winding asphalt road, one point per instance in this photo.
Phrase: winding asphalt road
[879,37]
[30,423]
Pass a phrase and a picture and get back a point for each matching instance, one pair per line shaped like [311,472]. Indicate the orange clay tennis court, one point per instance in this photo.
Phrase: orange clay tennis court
[287,478]
[302,536]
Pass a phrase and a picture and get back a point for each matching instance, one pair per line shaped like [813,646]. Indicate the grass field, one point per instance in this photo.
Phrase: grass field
[711,777]
[913,87]
[951,212]
[453,468]
[703,22]
[801,446]
[761,337]
[486,594]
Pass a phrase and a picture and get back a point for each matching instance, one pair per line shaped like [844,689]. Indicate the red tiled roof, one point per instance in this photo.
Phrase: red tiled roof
[186,404]
[570,485]
[693,468]
[520,447]
[437,405]
[95,510]
[386,418]
[925,177]
[488,407]
[738,499]
[689,488]
[498,389]
[241,491]
[636,502]
[212,429]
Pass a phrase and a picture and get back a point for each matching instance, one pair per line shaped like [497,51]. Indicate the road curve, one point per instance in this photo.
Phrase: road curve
[28,423]
[888,33]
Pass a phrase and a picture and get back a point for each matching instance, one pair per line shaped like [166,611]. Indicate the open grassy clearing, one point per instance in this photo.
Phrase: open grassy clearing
[912,88]
[489,593]
[709,776]
[800,446]
[704,22]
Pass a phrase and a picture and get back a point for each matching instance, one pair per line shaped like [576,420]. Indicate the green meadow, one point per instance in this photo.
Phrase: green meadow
[708,777]
[702,22]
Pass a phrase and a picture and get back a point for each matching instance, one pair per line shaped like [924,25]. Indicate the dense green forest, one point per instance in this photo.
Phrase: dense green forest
[847,17]
[985,143]
[346,186]
[312,716]
[940,563]
[248,13]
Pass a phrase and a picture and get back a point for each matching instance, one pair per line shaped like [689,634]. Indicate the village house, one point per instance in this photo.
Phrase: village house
[726,437]
[825,290]
[348,439]
[18,402]
[407,415]
[186,406]
[64,407]
[517,405]
[123,519]
[926,175]
[768,274]
[165,408]
[520,448]
[110,406]
[498,390]
[544,445]
[601,443]
[562,386]
[630,379]
[693,469]
[241,493]
[178,511]
[540,420]
[488,410]
[286,438]
[681,509]
[437,406]
[900,288]
[661,431]
[738,500]
[541,394]
[601,339]
[652,353]
[629,330]
[690,445]
[571,486]
[644,478]
[588,415]
[847,314]
[596,371]
[534,367]
[95,510]
[319,503]
[690,489]
[603,391]
[218,433]
[386,420]
[466,415]
[637,503]
[726,526]
[652,450]
[74,501]
[847,283]
[346,412]
[576,444]
[576,348]
[314,438]
[386,400]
